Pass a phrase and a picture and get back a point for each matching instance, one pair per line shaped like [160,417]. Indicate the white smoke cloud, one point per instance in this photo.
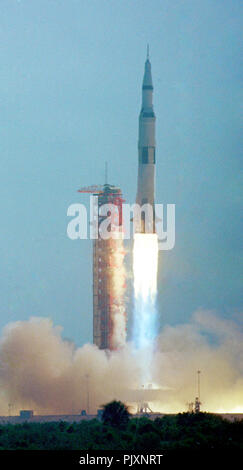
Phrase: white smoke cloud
[212,345]
[41,371]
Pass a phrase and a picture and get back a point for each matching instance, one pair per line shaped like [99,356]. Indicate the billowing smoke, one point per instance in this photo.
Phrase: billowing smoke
[210,344]
[41,371]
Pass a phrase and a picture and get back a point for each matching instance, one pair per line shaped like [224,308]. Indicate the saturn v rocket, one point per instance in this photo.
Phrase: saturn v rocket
[146,155]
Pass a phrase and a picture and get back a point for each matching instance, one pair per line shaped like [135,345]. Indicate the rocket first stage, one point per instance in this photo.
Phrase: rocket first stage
[146,154]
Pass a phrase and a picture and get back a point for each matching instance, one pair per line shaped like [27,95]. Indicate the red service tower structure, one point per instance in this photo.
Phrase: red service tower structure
[109,316]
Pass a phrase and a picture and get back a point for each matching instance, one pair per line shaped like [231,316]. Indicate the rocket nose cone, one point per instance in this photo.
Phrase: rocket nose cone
[147,78]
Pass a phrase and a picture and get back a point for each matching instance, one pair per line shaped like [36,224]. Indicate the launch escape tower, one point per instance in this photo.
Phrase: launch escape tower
[109,315]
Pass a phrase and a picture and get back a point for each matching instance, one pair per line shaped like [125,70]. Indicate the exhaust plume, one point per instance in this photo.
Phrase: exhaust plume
[145,266]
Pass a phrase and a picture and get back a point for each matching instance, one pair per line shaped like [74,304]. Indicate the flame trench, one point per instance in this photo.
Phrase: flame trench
[145,267]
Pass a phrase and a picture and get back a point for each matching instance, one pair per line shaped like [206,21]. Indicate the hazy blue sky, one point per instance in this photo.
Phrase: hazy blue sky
[71,74]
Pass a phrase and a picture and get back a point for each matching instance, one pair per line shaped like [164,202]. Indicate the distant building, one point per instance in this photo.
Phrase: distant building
[26,414]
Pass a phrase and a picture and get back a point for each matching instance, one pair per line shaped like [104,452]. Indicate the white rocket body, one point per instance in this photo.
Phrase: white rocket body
[146,153]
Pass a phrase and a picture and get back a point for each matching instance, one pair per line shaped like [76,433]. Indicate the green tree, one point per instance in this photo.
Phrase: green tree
[115,414]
